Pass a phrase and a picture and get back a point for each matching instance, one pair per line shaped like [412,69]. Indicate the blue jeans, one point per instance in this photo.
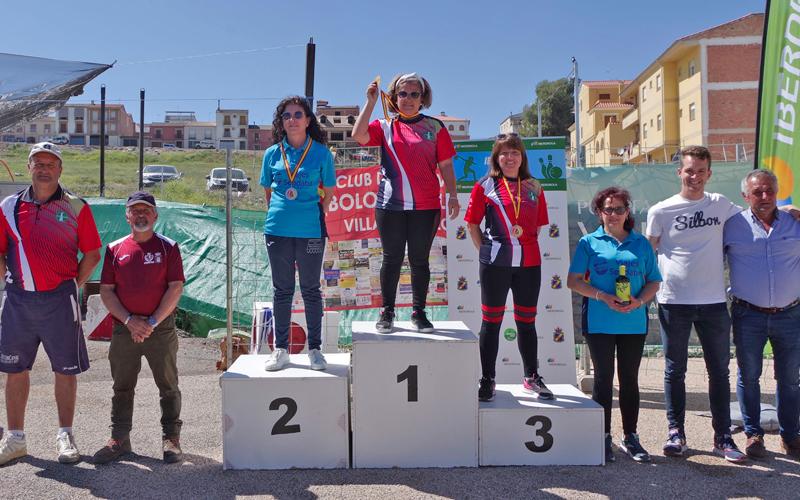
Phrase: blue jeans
[751,329]
[286,253]
[713,325]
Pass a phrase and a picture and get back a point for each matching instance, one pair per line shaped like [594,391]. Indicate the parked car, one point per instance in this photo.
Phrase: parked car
[205,144]
[239,180]
[169,145]
[60,140]
[153,174]
[364,156]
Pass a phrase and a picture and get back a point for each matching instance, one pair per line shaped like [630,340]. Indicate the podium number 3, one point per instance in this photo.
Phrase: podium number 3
[542,432]
[281,426]
[410,374]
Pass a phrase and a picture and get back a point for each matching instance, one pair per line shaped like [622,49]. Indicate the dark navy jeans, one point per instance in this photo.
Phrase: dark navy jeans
[304,254]
[713,326]
[751,329]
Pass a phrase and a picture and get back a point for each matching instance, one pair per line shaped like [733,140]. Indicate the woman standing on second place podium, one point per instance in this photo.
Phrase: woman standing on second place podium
[512,204]
[294,232]
[610,324]
[408,209]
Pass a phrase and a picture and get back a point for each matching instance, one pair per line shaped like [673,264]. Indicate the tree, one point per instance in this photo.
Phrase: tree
[556,99]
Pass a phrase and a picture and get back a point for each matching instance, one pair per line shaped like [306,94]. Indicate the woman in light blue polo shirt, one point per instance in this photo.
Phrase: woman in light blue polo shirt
[608,324]
[292,172]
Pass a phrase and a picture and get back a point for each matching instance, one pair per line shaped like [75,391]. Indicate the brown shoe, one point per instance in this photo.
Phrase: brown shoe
[112,451]
[755,447]
[172,450]
[792,448]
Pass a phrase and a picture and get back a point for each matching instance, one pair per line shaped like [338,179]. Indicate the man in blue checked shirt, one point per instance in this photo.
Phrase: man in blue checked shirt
[762,245]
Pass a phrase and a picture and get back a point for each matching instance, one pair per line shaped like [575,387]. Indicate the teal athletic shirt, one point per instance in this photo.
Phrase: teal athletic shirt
[301,217]
[601,255]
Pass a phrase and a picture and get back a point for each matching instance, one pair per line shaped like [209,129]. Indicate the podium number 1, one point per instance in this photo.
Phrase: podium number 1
[542,432]
[280,426]
[410,374]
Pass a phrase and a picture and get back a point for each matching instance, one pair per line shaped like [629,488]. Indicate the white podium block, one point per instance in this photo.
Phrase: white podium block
[415,400]
[518,429]
[292,418]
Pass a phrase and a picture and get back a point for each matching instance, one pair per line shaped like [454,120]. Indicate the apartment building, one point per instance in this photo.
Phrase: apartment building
[337,123]
[231,128]
[702,90]
[259,137]
[81,122]
[458,127]
[512,124]
[603,138]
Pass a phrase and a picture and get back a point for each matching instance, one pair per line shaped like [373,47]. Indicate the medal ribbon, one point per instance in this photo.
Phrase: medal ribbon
[293,173]
[386,102]
[516,201]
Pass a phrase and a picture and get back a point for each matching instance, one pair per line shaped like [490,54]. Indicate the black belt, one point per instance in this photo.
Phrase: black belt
[765,310]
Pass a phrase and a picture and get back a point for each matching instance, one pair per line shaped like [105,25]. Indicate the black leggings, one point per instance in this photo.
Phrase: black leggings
[629,354]
[524,283]
[398,227]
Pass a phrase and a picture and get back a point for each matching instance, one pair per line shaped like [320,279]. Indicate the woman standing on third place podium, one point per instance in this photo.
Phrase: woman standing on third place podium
[292,170]
[512,204]
[408,209]
[612,323]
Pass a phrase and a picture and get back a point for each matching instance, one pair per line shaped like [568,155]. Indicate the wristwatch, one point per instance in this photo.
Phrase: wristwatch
[152,321]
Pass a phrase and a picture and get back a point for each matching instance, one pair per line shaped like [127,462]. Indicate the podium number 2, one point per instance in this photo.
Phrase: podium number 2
[280,426]
[410,374]
[542,432]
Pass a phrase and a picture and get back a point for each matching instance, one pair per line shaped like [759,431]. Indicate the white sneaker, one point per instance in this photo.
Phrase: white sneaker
[277,360]
[12,447]
[67,451]
[317,360]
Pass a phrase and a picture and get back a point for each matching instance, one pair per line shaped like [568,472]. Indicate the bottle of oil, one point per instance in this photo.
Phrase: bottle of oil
[623,286]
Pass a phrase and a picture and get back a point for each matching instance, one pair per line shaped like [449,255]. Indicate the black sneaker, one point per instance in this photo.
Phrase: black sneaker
[386,321]
[609,449]
[486,389]
[420,321]
[535,385]
[725,447]
[630,445]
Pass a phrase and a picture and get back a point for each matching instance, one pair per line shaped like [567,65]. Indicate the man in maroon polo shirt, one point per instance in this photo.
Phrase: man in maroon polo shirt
[141,284]
[42,230]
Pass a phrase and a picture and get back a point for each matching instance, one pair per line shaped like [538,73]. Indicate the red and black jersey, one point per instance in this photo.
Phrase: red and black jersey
[142,271]
[492,202]
[410,152]
[41,241]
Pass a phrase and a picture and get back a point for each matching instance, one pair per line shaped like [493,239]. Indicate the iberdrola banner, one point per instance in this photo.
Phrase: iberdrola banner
[778,146]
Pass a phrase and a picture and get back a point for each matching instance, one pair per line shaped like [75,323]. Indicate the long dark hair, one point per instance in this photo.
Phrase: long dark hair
[614,192]
[279,133]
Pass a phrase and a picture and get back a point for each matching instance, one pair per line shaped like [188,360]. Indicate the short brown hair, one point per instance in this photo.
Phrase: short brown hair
[620,194]
[425,87]
[697,152]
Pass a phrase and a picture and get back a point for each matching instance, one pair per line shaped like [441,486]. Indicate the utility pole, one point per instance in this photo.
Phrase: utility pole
[311,51]
[102,141]
[576,104]
[538,113]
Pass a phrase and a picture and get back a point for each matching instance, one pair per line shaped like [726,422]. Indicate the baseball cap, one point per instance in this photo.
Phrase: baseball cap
[141,197]
[45,147]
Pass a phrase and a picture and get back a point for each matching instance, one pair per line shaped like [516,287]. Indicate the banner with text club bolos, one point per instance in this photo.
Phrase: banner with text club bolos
[546,160]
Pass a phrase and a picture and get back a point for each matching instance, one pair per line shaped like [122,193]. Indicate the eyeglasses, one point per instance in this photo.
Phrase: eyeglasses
[298,115]
[500,137]
[614,210]
[413,95]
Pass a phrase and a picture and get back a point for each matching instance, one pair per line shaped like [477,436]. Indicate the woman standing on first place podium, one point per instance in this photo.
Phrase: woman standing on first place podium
[408,208]
[293,169]
[512,204]
[613,316]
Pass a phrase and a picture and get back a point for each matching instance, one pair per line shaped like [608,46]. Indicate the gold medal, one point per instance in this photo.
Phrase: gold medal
[291,192]
[516,202]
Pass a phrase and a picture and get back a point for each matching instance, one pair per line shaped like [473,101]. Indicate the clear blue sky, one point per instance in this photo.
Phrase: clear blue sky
[483,59]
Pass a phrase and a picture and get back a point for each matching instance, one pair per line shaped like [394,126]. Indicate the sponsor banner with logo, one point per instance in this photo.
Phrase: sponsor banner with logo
[778,130]
[554,328]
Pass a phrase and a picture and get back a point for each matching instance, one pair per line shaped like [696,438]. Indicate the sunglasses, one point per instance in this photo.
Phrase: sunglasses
[413,95]
[614,210]
[500,137]
[298,115]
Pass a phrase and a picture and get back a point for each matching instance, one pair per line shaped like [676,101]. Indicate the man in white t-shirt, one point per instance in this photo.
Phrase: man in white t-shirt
[686,230]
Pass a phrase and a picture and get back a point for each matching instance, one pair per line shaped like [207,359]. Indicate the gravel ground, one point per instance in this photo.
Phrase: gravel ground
[39,475]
